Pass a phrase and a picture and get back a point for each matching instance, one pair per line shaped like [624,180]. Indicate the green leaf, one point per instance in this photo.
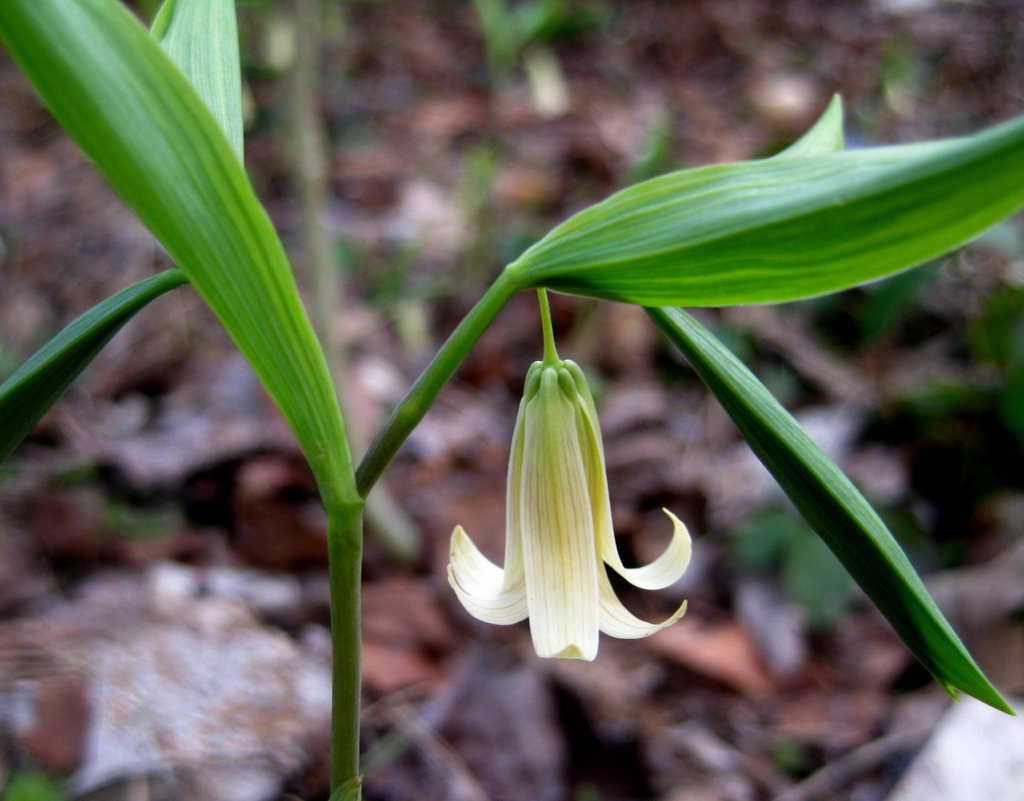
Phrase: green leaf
[783,228]
[201,37]
[138,118]
[825,136]
[833,506]
[39,382]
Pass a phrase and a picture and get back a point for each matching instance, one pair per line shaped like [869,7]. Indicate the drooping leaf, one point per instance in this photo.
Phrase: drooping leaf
[39,382]
[784,228]
[833,506]
[201,37]
[112,87]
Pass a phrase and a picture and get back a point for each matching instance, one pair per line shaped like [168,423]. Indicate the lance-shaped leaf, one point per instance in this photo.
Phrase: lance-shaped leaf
[112,87]
[825,136]
[833,506]
[201,37]
[39,382]
[783,228]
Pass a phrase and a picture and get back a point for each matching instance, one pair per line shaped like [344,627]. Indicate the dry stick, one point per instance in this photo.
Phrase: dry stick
[392,527]
[840,381]
[462,785]
[837,775]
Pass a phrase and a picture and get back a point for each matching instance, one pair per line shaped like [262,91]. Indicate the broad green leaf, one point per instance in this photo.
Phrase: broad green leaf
[201,37]
[138,118]
[783,228]
[825,136]
[39,382]
[833,506]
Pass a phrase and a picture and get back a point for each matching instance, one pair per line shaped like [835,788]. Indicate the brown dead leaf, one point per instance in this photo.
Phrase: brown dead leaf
[831,718]
[56,738]
[404,634]
[67,524]
[389,668]
[723,652]
[404,610]
[271,529]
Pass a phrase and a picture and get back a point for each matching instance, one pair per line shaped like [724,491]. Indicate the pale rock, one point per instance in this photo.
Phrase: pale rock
[975,753]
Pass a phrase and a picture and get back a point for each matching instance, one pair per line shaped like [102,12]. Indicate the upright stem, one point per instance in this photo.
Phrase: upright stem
[421,396]
[345,554]
[344,522]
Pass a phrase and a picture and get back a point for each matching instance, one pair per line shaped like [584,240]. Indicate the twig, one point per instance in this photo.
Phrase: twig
[838,775]
[462,786]
[393,528]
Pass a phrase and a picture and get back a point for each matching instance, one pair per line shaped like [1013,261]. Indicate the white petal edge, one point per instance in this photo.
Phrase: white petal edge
[475,573]
[480,586]
[664,571]
[617,621]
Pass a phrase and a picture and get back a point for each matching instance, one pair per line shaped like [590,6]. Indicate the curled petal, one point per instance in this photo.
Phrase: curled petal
[617,621]
[667,568]
[486,591]
[663,571]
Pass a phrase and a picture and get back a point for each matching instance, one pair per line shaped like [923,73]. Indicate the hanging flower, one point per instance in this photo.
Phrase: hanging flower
[559,531]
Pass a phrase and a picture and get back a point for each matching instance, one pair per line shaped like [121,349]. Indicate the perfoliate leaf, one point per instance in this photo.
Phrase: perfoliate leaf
[112,87]
[833,506]
[201,37]
[783,228]
[39,382]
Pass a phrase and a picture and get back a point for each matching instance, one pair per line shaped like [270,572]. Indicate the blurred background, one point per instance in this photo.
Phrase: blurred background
[163,592]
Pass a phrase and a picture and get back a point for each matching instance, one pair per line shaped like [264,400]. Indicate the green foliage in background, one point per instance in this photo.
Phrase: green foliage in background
[509,27]
[777,543]
[33,787]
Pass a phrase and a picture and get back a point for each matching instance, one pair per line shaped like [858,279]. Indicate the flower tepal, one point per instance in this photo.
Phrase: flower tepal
[559,533]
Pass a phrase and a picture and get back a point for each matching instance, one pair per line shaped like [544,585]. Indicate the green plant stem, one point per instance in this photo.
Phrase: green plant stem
[421,396]
[550,353]
[344,521]
[345,555]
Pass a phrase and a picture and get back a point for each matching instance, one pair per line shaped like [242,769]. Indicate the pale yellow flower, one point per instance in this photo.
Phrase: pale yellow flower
[559,530]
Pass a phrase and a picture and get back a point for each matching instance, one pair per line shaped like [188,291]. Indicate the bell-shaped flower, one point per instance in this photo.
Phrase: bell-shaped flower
[559,533]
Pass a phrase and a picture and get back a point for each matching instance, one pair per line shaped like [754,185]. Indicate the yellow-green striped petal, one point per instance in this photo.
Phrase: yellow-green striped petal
[486,591]
[558,548]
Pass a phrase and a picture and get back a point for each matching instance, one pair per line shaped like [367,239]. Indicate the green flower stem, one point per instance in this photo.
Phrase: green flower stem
[550,354]
[421,396]
[345,558]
